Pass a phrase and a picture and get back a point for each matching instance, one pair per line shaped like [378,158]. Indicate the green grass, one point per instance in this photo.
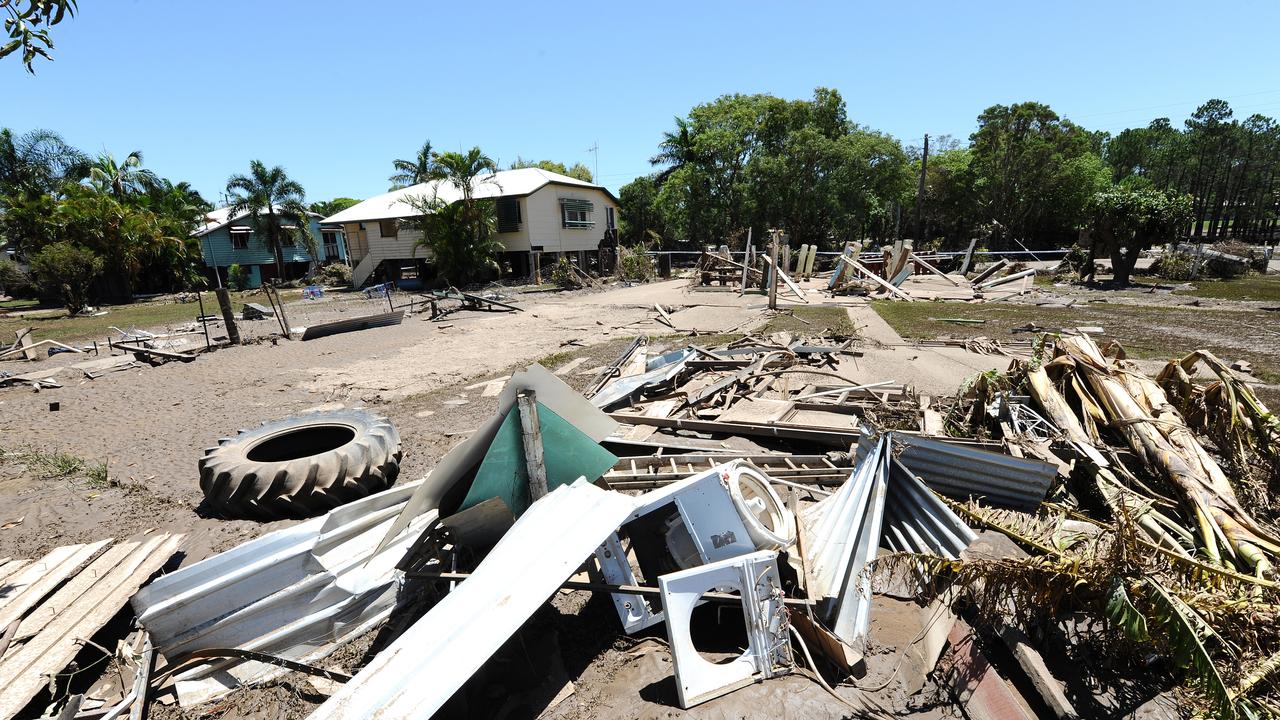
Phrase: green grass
[18,304]
[813,320]
[142,316]
[1146,331]
[1250,287]
[58,466]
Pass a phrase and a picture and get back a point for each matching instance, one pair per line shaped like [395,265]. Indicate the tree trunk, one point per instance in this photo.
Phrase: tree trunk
[1122,263]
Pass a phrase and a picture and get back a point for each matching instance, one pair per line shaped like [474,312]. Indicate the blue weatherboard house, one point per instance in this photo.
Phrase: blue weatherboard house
[226,241]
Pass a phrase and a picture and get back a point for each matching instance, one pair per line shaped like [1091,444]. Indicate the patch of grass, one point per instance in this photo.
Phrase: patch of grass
[140,315]
[1152,332]
[1250,287]
[58,466]
[18,304]
[813,320]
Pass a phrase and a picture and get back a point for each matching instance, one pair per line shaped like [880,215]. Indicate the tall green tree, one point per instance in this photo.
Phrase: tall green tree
[458,228]
[421,169]
[1028,165]
[641,222]
[38,162]
[272,200]
[756,161]
[121,178]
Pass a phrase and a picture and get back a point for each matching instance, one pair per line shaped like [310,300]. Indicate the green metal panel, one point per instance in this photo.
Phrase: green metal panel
[567,452]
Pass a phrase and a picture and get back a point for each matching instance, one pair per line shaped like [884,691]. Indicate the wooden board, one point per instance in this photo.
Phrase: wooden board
[26,671]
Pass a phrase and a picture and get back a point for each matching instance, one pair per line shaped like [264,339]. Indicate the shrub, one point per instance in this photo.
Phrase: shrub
[336,275]
[237,277]
[635,265]
[66,272]
[14,281]
[1173,266]
[563,275]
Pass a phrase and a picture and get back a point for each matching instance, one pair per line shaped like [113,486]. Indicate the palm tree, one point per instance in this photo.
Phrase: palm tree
[121,178]
[272,200]
[462,169]
[461,235]
[38,162]
[412,172]
[676,150]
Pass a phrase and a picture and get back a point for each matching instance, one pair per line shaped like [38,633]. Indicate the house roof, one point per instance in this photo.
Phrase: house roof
[221,217]
[504,183]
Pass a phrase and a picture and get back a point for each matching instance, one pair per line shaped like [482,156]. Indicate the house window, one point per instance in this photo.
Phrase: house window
[240,239]
[576,213]
[330,245]
[608,217]
[388,228]
[508,211]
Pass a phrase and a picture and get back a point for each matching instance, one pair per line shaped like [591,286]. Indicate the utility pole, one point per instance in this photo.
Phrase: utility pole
[924,165]
[595,152]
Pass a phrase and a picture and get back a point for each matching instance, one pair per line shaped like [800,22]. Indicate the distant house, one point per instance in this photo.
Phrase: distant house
[227,240]
[538,212]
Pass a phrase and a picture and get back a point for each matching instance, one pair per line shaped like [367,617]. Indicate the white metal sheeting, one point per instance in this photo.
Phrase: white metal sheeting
[422,669]
[842,533]
[297,593]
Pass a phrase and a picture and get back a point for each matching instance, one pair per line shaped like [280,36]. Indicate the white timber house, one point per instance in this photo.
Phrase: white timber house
[540,214]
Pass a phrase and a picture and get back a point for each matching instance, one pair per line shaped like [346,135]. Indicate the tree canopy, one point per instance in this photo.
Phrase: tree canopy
[579,171]
[422,168]
[1026,176]
[325,208]
[119,226]
[756,161]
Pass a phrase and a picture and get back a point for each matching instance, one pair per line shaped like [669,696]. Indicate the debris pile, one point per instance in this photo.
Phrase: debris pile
[1071,504]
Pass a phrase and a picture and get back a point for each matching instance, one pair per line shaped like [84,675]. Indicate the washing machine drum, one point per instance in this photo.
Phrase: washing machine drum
[768,521]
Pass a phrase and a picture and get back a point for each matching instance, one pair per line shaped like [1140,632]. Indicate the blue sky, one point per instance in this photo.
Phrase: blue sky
[333,91]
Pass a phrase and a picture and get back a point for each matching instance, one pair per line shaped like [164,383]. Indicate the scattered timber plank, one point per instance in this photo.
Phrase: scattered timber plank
[658,408]
[663,317]
[27,670]
[881,281]
[165,354]
[992,270]
[26,349]
[361,323]
[833,438]
[43,376]
[41,577]
[920,261]
[795,289]
[1007,278]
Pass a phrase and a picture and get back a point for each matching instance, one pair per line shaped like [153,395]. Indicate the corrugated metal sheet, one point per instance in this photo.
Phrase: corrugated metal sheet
[433,658]
[298,593]
[916,521]
[962,472]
